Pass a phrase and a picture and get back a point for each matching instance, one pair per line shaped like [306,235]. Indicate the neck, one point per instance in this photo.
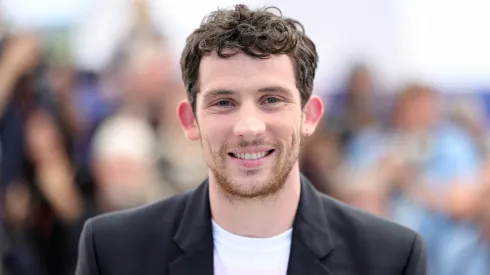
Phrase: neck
[261,218]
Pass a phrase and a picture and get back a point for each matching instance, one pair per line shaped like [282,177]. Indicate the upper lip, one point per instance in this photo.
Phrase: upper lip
[252,150]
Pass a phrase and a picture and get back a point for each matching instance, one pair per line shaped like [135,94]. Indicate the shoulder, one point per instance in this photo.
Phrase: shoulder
[141,221]
[367,232]
[127,236]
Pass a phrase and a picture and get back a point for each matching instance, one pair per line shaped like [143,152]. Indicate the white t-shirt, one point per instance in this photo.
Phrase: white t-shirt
[237,255]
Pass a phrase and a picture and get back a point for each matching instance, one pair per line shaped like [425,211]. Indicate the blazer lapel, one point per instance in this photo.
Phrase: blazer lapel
[303,261]
[312,242]
[200,262]
[311,245]
[194,236]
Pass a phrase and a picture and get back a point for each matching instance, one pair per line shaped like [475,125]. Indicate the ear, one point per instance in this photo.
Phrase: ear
[312,114]
[188,120]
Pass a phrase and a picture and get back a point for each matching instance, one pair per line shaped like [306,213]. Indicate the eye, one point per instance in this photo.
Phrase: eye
[223,103]
[271,100]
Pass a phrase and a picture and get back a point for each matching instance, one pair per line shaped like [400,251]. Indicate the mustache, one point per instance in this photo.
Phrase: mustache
[255,143]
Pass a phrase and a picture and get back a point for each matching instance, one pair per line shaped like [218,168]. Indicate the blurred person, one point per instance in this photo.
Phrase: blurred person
[61,208]
[133,81]
[45,208]
[36,163]
[142,67]
[436,167]
[19,62]
[441,151]
[358,119]
[421,143]
[151,92]
[123,163]
[19,58]
[424,173]
[249,77]
[146,77]
[27,82]
[150,88]
[359,107]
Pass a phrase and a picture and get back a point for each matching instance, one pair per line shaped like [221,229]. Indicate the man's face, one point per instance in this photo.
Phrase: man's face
[249,121]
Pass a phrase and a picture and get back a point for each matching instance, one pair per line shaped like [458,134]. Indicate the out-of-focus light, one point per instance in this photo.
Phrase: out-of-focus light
[44,13]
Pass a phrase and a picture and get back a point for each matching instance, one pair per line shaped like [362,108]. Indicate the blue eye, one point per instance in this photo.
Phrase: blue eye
[223,103]
[271,100]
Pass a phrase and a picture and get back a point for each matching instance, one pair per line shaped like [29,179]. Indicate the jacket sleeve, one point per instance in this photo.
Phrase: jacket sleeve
[417,259]
[87,256]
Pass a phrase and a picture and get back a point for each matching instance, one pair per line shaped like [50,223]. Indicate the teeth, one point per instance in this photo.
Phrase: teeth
[250,155]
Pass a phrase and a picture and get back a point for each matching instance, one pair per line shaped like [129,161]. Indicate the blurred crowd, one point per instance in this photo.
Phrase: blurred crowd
[414,157]
[74,144]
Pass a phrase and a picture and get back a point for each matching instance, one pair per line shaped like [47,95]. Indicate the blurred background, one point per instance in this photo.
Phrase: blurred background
[88,91]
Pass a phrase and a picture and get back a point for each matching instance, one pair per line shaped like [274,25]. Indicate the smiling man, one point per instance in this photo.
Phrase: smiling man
[249,77]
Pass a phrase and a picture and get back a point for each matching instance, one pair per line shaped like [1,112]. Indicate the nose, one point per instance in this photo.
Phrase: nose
[250,124]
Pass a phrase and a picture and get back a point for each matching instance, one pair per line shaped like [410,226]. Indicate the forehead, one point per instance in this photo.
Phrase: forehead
[243,72]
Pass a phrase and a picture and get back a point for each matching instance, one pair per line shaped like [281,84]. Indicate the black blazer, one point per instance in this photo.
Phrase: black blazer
[174,237]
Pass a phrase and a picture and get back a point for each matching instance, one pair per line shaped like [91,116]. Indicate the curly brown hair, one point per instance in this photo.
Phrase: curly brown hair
[259,33]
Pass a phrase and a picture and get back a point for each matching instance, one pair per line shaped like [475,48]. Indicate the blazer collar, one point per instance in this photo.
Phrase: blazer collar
[311,224]
[312,241]
[194,236]
[311,244]
[195,229]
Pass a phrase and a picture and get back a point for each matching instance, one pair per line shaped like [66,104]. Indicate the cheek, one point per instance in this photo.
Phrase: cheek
[214,135]
[285,128]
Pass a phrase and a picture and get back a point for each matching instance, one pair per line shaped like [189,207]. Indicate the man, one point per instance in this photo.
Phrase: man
[249,76]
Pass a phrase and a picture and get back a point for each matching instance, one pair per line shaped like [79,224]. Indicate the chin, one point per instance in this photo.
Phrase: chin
[250,184]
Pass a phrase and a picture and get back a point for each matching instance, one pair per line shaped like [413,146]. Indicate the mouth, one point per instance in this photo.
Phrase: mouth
[251,156]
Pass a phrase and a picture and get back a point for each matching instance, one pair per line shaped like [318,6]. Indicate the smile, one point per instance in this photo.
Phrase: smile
[251,156]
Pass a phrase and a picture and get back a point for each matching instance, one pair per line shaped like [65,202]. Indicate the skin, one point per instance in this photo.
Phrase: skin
[250,105]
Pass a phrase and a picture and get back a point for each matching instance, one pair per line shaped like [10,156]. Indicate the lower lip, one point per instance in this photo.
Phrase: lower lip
[251,163]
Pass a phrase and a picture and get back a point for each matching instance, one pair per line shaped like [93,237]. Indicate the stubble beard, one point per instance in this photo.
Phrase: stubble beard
[285,161]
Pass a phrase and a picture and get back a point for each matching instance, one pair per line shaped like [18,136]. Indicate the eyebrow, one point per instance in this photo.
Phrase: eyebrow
[275,89]
[272,89]
[217,92]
